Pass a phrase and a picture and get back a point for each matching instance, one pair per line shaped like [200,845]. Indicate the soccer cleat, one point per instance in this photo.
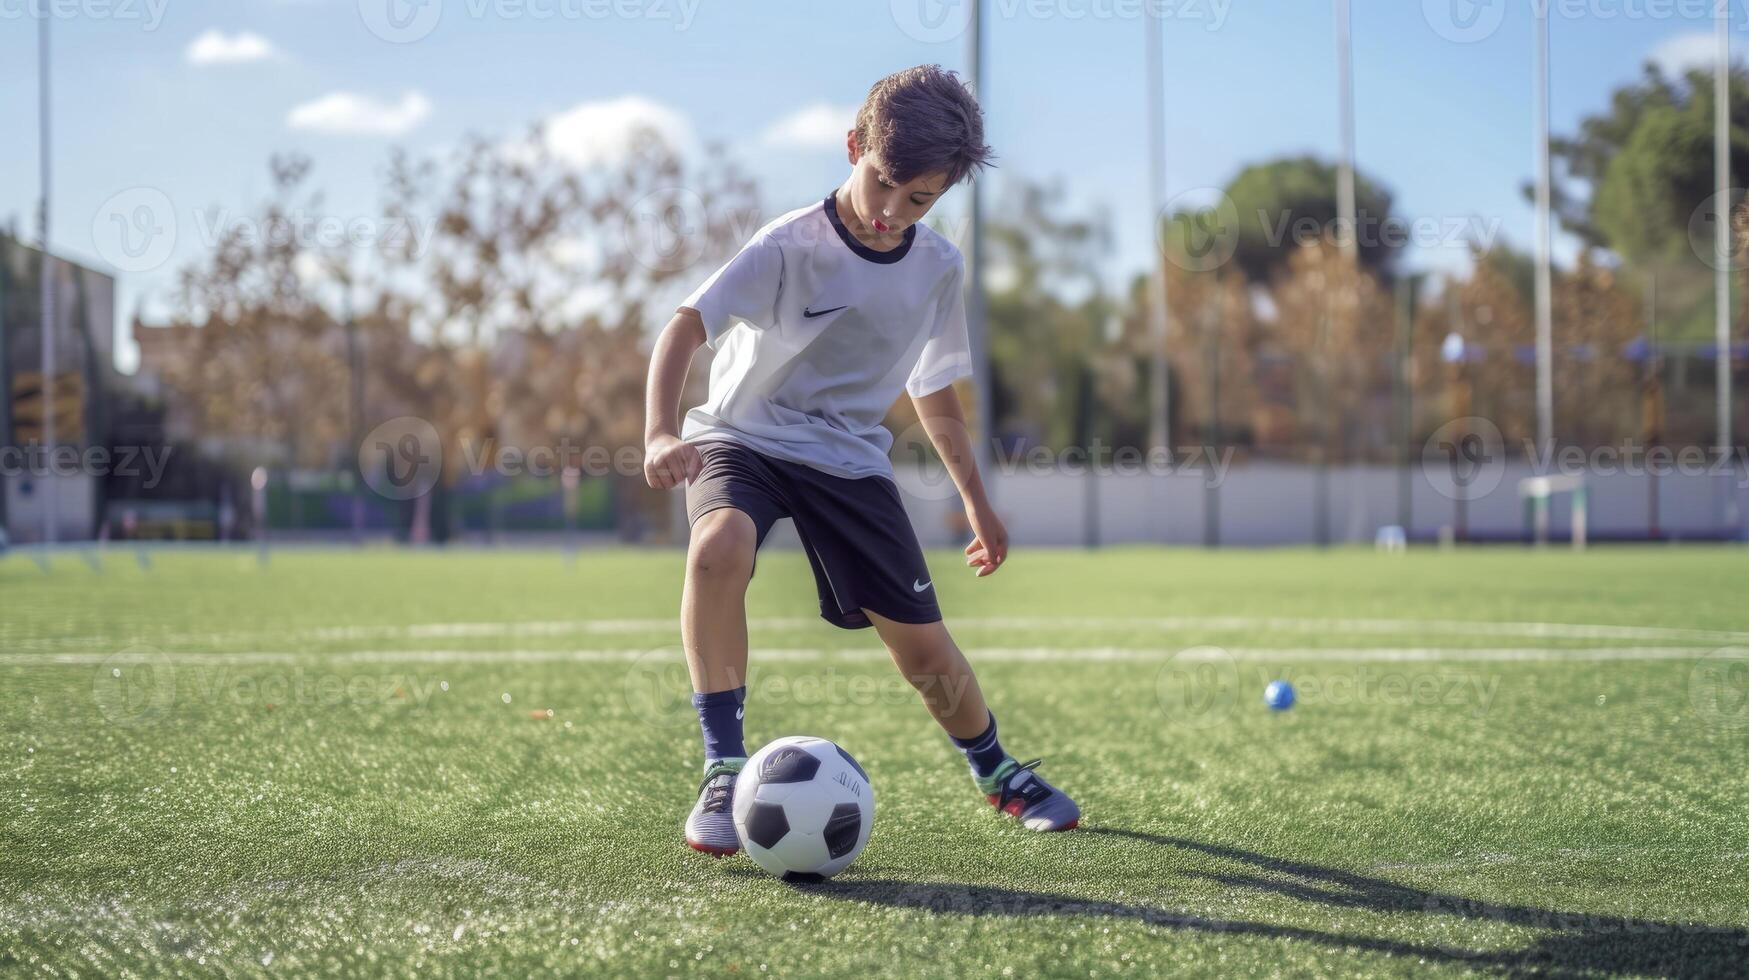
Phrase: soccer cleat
[710,827]
[1018,791]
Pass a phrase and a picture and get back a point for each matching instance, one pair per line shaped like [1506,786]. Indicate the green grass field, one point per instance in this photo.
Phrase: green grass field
[477,763]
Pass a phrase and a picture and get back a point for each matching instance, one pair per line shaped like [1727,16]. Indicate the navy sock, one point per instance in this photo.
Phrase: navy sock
[719,717]
[984,752]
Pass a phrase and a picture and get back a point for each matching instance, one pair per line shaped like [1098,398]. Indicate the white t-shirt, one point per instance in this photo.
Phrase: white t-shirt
[816,335]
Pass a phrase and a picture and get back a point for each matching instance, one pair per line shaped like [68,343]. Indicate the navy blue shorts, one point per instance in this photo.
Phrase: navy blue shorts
[856,532]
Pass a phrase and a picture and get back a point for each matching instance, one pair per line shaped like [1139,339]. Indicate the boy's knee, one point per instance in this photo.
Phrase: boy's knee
[926,665]
[722,547]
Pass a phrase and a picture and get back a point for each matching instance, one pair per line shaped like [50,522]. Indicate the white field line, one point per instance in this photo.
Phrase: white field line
[804,654]
[1084,624]
[1268,624]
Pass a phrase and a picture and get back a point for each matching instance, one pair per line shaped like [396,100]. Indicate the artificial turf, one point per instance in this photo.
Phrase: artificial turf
[477,762]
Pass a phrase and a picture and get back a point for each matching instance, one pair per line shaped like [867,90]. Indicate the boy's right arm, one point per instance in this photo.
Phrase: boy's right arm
[668,462]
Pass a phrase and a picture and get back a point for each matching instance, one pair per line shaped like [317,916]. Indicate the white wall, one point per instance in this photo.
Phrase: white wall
[24,506]
[1276,504]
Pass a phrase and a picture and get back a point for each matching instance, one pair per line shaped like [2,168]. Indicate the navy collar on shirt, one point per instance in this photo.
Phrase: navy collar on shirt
[884,258]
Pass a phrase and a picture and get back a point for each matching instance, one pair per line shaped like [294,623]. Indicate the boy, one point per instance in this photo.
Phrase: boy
[840,305]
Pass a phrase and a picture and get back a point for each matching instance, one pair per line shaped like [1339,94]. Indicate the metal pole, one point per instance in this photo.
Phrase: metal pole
[1722,245]
[46,282]
[1159,421]
[5,380]
[984,426]
[1211,510]
[1545,382]
[1400,382]
[1348,228]
[356,412]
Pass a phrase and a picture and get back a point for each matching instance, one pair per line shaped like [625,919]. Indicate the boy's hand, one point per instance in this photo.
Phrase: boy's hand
[668,462]
[989,547]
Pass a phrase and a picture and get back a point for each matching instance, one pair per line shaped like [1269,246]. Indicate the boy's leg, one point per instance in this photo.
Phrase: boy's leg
[929,658]
[713,627]
[932,662]
[731,504]
[713,603]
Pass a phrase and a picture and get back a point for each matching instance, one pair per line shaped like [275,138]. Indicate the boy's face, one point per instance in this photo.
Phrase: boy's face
[884,208]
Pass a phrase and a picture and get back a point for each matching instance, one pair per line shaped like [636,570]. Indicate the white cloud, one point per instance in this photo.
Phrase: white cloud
[601,133]
[347,113]
[1676,56]
[816,127]
[215,47]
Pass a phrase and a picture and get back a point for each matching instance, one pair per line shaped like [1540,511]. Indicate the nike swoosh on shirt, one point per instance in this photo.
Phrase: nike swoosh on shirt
[810,314]
[917,586]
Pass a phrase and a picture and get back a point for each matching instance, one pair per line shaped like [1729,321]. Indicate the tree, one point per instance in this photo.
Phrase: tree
[1645,166]
[521,321]
[1339,326]
[1283,204]
[507,304]
[1046,310]
[1596,388]
[265,369]
[1493,377]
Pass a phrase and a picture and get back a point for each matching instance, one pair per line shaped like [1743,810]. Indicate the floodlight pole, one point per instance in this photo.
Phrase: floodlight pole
[1159,420]
[984,426]
[5,387]
[1545,382]
[50,515]
[1722,249]
[1348,228]
[355,413]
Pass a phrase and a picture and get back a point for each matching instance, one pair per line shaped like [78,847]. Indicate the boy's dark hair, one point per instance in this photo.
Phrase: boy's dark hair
[921,121]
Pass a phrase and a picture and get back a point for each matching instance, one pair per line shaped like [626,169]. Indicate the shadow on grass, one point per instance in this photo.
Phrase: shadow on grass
[1575,945]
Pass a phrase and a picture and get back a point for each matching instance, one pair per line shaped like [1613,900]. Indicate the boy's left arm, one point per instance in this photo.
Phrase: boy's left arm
[945,421]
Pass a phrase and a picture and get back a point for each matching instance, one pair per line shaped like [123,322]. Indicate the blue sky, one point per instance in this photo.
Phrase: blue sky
[187,98]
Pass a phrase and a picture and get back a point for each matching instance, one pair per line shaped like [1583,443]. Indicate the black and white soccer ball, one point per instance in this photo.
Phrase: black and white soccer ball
[803,808]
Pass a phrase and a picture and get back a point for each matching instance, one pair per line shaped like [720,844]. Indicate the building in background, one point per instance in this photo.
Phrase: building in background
[83,384]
